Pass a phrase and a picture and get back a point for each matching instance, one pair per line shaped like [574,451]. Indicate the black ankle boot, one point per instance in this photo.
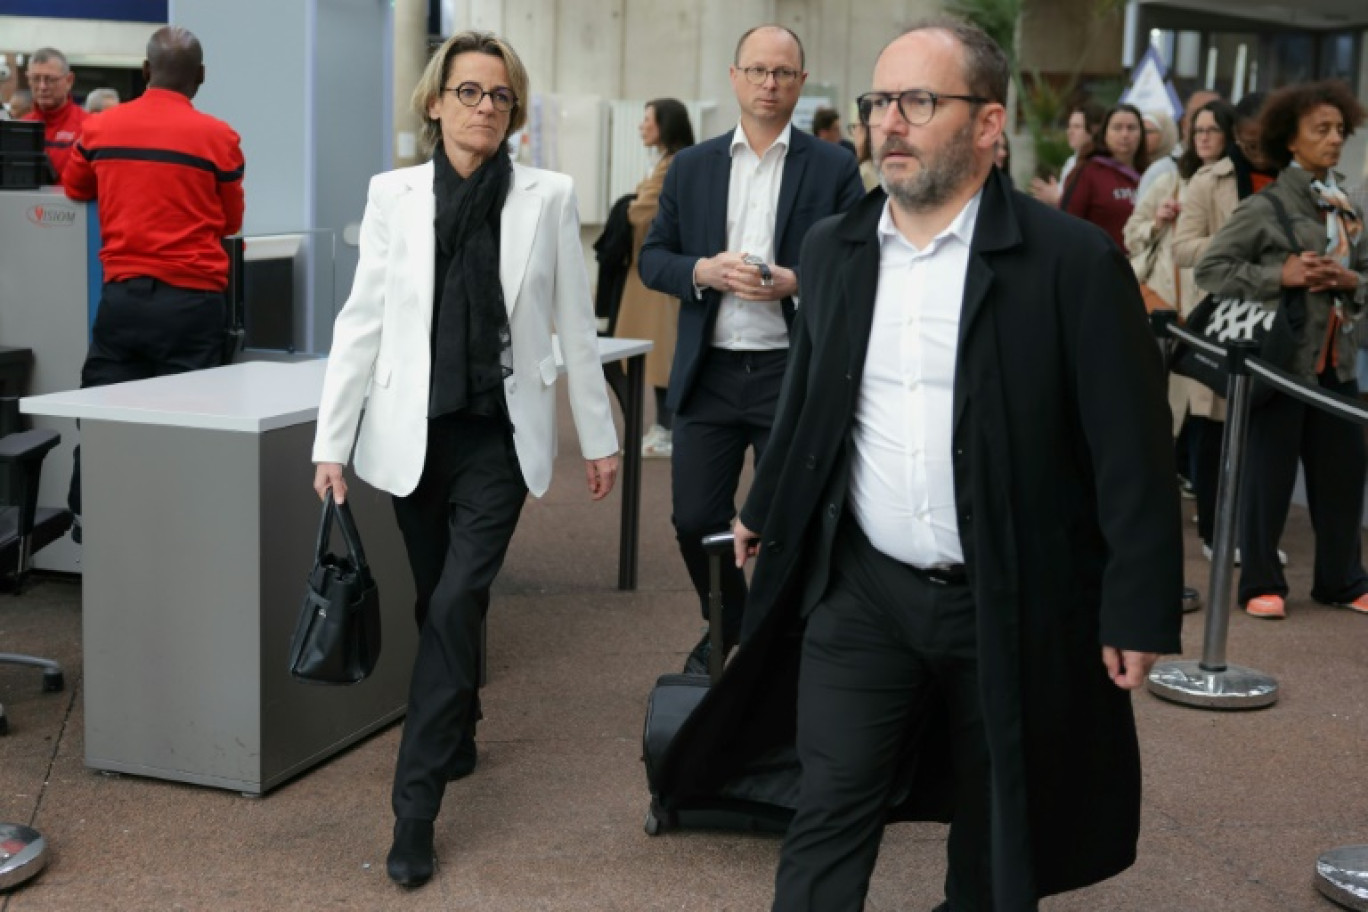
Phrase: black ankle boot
[410,859]
[466,757]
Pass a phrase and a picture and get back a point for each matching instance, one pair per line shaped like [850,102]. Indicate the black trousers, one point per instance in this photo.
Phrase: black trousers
[146,328]
[1206,439]
[879,647]
[456,526]
[730,409]
[1333,457]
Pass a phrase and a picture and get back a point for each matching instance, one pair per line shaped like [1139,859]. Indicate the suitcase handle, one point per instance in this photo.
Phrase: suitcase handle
[718,547]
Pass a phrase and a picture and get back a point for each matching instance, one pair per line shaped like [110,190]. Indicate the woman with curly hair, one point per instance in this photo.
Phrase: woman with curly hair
[1304,128]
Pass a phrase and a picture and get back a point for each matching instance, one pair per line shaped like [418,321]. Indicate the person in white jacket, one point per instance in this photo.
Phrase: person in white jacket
[468,264]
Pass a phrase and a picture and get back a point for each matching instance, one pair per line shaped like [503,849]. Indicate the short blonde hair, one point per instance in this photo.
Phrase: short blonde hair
[433,81]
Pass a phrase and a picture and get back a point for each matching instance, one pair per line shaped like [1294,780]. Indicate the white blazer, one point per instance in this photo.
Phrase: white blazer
[383,333]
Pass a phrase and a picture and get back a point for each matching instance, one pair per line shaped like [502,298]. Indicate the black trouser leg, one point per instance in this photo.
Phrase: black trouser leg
[1207,435]
[879,647]
[146,328]
[731,409]
[664,414]
[472,473]
[1271,451]
[1334,459]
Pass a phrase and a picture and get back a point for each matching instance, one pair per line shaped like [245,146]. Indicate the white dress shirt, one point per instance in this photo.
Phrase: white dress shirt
[752,204]
[902,484]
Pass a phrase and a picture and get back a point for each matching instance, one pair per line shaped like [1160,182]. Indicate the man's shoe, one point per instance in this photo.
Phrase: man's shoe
[466,758]
[1359,604]
[1267,606]
[1192,599]
[697,662]
[410,859]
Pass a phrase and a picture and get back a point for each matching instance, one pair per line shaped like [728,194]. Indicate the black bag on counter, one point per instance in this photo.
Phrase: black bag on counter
[337,638]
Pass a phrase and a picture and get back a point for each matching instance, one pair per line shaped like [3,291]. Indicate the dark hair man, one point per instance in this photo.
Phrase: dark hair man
[826,126]
[725,241]
[50,79]
[169,182]
[968,492]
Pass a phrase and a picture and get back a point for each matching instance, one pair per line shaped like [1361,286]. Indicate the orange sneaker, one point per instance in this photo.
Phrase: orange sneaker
[1270,606]
[1359,604]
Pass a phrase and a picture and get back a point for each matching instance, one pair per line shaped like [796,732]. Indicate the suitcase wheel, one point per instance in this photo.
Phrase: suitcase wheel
[653,826]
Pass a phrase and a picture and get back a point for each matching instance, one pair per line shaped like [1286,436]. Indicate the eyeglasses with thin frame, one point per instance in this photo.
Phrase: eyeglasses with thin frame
[471,94]
[1207,131]
[783,76]
[39,79]
[917,106]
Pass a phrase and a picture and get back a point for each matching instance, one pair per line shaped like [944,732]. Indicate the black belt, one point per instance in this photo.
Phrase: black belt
[948,575]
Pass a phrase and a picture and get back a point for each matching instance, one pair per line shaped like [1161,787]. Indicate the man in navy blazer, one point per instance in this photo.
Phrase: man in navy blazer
[725,241]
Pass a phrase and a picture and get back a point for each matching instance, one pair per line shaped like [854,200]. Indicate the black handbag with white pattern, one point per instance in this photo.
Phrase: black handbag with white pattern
[1276,330]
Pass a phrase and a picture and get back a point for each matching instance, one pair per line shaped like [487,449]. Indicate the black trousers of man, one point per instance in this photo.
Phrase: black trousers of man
[883,642]
[730,409]
[146,328]
[1333,457]
[456,526]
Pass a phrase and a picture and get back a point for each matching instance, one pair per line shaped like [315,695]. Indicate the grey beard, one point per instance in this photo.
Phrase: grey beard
[938,179]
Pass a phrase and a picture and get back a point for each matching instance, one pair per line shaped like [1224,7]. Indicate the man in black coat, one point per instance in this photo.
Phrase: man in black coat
[968,498]
[751,192]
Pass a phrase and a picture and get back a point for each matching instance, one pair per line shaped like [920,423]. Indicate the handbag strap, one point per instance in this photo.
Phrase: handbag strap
[342,513]
[1280,211]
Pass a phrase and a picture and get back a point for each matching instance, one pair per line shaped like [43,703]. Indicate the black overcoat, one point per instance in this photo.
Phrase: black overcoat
[1068,515]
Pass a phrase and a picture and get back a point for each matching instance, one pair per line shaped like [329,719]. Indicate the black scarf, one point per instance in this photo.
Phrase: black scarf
[471,346]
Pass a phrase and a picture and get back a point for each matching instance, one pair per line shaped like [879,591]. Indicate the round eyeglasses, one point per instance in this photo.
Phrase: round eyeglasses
[471,94]
[917,106]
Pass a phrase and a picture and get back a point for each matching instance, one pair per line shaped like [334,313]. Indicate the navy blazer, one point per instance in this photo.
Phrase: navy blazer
[820,179]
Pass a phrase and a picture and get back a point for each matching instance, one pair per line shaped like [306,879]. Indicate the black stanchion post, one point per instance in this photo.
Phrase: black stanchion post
[1160,321]
[1212,683]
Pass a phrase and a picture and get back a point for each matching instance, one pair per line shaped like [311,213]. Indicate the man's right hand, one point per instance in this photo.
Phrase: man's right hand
[711,272]
[329,475]
[745,544]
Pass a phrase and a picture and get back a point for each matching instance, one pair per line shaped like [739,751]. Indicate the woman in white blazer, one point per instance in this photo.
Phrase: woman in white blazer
[468,265]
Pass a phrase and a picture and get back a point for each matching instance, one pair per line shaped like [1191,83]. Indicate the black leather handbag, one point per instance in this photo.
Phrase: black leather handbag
[1276,331]
[337,638]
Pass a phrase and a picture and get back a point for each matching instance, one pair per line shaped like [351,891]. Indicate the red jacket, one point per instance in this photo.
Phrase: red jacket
[1102,191]
[61,129]
[169,181]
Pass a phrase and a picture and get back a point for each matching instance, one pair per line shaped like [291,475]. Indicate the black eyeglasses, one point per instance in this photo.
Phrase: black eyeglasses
[917,106]
[756,75]
[471,94]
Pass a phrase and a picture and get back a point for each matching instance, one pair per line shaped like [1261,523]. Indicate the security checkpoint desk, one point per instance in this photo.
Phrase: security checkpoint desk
[199,530]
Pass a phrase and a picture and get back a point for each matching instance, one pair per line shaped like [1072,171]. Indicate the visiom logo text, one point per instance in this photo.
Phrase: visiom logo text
[48,216]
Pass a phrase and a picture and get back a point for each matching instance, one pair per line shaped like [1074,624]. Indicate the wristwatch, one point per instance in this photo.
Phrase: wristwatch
[766,277]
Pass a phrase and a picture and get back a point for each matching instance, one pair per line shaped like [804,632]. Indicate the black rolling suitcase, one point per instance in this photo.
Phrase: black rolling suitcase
[762,798]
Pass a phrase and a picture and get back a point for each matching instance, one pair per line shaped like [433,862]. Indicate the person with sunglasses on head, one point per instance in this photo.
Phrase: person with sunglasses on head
[468,264]
[725,241]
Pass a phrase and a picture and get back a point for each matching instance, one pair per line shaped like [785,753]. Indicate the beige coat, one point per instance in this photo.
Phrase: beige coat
[1153,264]
[1211,196]
[646,314]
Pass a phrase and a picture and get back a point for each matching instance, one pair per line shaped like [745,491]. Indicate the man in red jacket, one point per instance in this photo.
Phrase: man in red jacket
[51,79]
[169,183]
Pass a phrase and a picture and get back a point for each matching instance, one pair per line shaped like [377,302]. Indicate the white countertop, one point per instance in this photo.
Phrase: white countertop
[252,396]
